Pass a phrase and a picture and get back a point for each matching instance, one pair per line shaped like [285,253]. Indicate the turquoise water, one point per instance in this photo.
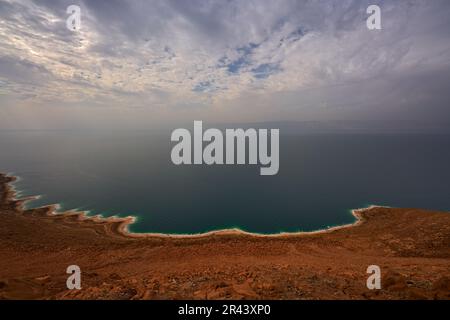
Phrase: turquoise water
[321,178]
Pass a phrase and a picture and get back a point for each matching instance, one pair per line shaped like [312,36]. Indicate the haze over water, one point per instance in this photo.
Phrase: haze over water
[321,178]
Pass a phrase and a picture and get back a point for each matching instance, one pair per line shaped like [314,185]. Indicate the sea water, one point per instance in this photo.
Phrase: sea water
[321,178]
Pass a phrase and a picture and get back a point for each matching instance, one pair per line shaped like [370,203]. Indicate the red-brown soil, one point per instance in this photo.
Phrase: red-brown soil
[412,248]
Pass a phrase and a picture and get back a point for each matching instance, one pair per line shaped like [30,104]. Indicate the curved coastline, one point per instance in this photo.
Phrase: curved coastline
[120,225]
[37,245]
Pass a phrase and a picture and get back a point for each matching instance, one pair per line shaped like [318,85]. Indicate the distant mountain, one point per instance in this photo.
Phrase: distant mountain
[340,127]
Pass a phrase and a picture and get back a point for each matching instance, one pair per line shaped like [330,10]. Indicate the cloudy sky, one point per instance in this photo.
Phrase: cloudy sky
[141,63]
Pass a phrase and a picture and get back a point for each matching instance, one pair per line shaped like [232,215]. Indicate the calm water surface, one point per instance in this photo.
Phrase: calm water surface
[321,178]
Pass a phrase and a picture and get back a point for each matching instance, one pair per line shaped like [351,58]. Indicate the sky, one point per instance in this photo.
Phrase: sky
[138,64]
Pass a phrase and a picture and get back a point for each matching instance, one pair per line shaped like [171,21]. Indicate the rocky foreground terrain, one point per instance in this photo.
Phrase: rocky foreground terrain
[412,248]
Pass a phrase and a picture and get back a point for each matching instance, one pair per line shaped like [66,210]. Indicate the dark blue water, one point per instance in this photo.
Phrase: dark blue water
[321,178]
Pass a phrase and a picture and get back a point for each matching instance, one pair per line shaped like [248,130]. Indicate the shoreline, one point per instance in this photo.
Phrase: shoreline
[125,222]
[37,245]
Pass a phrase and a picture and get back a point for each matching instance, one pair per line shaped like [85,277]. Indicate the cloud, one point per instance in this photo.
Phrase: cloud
[225,59]
[22,71]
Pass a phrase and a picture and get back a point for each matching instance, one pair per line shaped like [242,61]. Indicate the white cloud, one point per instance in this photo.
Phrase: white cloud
[212,54]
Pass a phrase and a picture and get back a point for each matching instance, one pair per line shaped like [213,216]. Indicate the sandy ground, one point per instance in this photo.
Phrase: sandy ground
[412,248]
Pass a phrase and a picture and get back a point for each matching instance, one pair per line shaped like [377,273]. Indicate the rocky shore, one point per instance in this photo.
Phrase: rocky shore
[411,246]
